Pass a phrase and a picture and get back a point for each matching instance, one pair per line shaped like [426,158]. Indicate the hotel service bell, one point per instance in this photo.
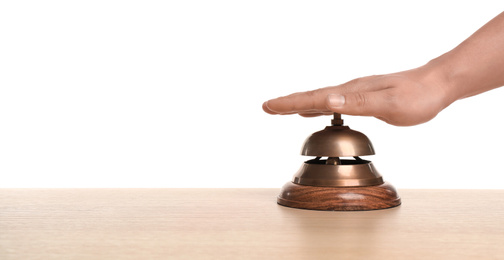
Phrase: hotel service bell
[331,182]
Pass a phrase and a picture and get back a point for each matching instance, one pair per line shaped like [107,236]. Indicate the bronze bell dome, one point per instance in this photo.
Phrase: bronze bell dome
[337,141]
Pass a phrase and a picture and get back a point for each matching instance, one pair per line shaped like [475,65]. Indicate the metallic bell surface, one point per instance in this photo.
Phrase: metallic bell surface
[337,141]
[348,173]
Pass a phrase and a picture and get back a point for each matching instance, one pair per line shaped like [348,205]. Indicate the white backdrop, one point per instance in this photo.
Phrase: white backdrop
[169,93]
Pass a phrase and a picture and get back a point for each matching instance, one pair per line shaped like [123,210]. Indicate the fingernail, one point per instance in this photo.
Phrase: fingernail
[335,100]
[267,109]
[265,106]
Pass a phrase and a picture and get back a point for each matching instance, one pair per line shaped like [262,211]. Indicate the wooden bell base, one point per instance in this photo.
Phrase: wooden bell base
[339,198]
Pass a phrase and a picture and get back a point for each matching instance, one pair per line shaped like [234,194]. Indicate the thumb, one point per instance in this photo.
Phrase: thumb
[356,103]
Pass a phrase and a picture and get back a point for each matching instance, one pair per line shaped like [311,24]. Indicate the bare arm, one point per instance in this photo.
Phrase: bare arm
[414,96]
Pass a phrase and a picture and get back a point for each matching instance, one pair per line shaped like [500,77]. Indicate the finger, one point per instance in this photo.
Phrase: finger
[374,103]
[315,100]
[315,114]
[311,115]
[303,102]
[271,112]
[267,109]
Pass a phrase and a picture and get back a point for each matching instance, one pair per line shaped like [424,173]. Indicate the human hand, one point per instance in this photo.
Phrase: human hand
[415,96]
[403,99]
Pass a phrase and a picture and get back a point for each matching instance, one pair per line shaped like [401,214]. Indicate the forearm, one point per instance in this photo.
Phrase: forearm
[477,64]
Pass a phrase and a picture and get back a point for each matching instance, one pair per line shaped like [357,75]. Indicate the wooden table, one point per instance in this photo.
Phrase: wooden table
[244,224]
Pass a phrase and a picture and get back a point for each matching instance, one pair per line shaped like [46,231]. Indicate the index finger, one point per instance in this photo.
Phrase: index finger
[303,102]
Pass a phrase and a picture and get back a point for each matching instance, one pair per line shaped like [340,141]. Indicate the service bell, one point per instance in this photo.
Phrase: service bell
[330,182]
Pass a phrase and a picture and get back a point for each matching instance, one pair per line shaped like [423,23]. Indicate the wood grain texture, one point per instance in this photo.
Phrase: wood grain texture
[339,198]
[244,224]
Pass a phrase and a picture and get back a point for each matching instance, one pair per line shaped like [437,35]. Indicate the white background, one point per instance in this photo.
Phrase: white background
[169,93]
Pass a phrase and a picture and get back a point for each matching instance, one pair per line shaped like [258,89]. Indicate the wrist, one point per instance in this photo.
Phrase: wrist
[462,75]
[439,78]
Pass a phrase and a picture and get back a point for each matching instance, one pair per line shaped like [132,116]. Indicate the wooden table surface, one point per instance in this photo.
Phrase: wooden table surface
[244,224]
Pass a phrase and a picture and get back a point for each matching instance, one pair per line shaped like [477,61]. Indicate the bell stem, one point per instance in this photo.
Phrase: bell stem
[337,121]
